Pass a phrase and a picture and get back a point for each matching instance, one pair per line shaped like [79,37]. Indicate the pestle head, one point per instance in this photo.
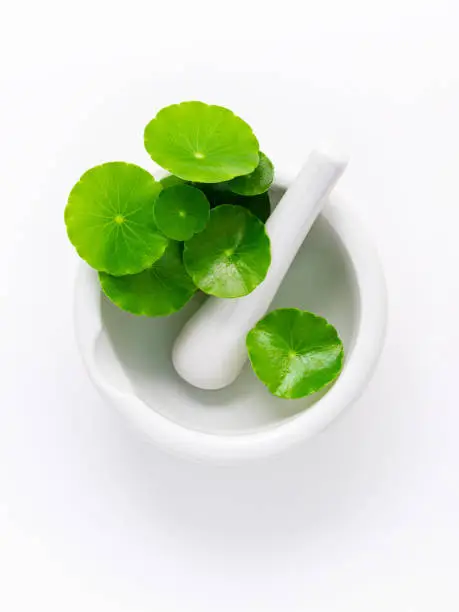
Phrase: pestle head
[331,151]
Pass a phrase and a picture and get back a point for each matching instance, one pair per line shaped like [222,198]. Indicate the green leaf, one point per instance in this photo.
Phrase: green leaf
[295,353]
[157,292]
[181,211]
[231,256]
[201,142]
[109,218]
[217,194]
[257,181]
[171,180]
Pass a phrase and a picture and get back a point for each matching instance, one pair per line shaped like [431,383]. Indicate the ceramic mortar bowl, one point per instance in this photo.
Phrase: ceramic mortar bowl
[336,274]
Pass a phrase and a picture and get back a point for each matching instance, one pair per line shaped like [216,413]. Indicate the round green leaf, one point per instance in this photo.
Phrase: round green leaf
[295,353]
[218,194]
[257,181]
[109,218]
[201,142]
[231,256]
[156,292]
[181,211]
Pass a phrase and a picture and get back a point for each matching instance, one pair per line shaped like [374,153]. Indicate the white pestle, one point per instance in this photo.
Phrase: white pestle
[210,351]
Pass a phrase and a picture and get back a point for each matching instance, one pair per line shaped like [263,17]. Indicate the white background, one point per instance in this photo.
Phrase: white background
[364,517]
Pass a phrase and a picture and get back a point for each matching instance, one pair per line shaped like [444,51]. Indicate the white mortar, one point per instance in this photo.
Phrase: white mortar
[336,274]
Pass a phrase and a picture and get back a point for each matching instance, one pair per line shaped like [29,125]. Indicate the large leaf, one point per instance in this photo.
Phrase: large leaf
[295,353]
[201,142]
[159,291]
[231,256]
[109,218]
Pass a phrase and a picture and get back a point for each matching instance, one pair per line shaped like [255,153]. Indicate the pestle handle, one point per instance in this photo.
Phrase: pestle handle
[210,351]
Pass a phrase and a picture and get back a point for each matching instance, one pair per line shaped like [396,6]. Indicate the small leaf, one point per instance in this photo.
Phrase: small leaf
[218,194]
[295,353]
[171,180]
[157,292]
[231,256]
[109,218]
[201,142]
[181,211]
[258,181]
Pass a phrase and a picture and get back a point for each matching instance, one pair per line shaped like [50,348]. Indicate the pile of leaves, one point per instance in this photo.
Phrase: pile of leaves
[155,243]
